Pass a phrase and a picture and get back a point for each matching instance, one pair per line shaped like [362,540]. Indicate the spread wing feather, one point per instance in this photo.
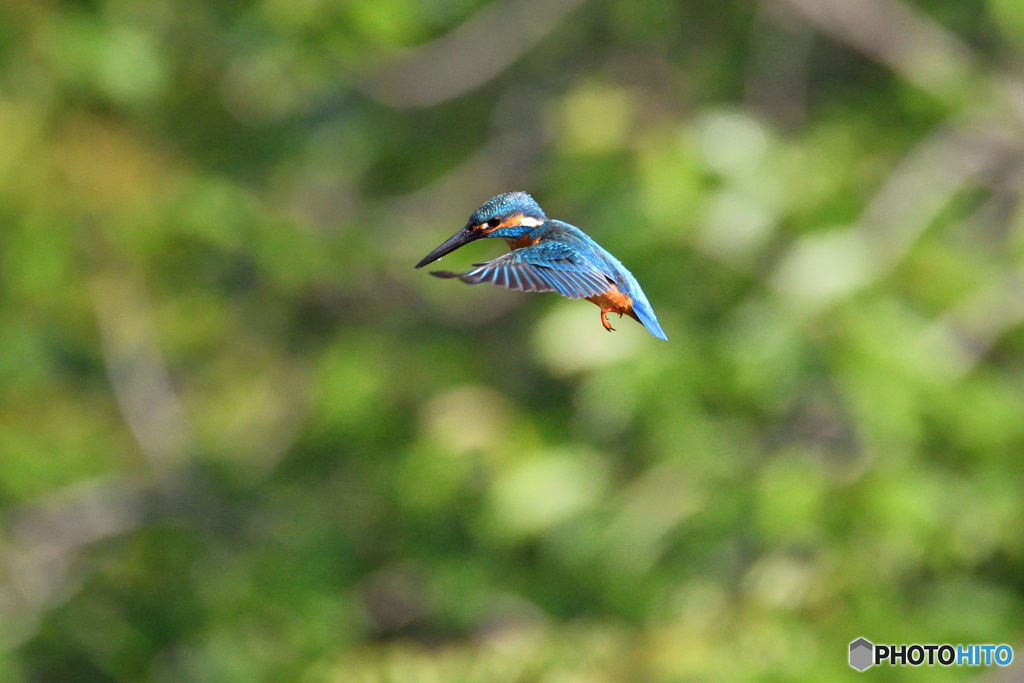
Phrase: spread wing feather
[540,268]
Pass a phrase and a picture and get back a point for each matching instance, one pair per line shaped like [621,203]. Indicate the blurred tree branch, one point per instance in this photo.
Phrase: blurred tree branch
[470,55]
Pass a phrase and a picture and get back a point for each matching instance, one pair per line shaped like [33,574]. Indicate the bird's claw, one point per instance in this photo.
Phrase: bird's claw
[604,320]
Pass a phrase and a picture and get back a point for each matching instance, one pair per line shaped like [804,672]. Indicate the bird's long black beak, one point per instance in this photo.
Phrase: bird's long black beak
[464,236]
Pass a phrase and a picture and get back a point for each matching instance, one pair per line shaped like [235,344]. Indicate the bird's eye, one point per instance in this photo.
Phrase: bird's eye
[494,222]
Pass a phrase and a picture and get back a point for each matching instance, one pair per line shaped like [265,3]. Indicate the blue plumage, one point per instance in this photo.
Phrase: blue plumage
[548,256]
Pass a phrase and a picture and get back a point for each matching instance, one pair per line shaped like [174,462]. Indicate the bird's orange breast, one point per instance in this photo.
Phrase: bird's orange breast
[614,300]
[521,242]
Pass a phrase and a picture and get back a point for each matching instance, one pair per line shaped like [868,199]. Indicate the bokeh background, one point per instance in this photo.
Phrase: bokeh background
[241,439]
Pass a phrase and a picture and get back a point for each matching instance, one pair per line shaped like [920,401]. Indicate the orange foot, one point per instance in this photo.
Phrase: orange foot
[604,319]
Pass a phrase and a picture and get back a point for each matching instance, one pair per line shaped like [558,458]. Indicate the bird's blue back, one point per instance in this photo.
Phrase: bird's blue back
[585,249]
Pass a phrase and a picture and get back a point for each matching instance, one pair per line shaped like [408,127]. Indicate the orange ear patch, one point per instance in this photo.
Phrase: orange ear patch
[511,222]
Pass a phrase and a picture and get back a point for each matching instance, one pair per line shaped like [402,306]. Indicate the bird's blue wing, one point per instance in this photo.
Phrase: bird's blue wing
[544,267]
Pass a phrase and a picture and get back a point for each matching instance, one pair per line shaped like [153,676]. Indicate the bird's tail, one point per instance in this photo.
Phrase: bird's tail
[645,314]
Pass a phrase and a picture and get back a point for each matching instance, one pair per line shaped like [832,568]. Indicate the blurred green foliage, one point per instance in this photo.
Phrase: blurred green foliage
[241,439]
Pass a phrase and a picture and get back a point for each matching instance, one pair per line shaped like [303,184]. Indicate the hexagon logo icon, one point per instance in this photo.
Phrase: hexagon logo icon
[861,654]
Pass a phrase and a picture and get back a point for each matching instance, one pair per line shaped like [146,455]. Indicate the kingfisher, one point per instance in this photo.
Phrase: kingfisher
[548,256]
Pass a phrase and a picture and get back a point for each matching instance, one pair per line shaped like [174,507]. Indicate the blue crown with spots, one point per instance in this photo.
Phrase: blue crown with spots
[505,205]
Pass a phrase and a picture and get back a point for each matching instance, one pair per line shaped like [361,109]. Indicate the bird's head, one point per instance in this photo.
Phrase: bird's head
[510,215]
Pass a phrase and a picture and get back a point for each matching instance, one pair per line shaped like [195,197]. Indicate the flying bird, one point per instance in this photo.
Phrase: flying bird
[548,256]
